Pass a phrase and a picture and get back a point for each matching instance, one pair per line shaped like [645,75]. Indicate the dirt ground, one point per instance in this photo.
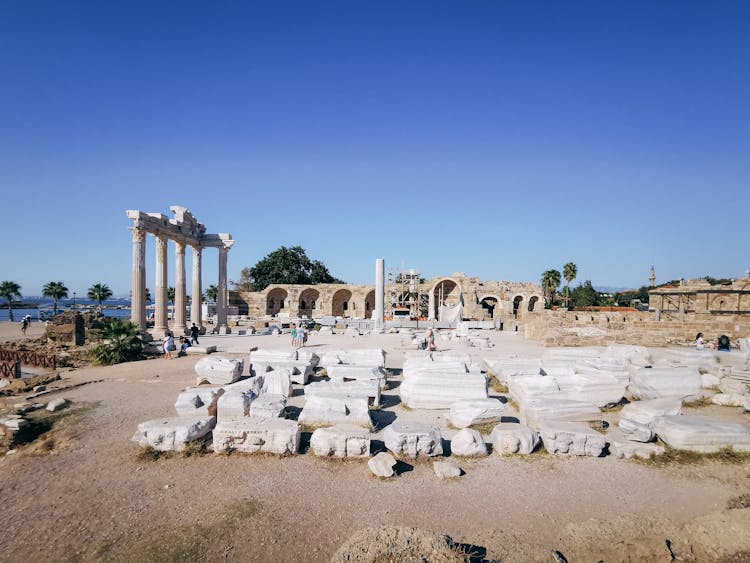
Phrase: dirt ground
[93,498]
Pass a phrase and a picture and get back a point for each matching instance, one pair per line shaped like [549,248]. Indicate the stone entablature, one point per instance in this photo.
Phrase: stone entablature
[483,300]
[702,298]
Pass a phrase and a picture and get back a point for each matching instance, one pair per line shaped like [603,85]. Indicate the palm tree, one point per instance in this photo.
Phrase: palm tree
[55,290]
[170,294]
[570,271]
[121,342]
[10,290]
[99,292]
[550,283]
[212,293]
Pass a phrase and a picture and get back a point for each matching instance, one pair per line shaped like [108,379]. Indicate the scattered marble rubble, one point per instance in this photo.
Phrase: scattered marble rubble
[218,371]
[343,440]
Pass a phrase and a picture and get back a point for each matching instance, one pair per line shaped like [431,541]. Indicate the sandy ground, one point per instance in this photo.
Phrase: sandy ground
[94,499]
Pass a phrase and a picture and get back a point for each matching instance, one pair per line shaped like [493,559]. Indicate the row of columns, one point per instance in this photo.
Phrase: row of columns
[138,305]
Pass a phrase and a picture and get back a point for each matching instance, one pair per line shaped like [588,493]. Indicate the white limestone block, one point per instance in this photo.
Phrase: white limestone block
[513,438]
[249,435]
[308,356]
[300,371]
[701,433]
[57,404]
[197,350]
[267,405]
[446,469]
[198,401]
[729,399]
[173,434]
[413,439]
[731,385]
[505,369]
[439,390]
[351,331]
[329,411]
[374,357]
[636,355]
[709,380]
[278,382]
[637,418]
[344,440]
[366,388]
[343,372]
[657,383]
[468,443]
[235,402]
[627,449]
[218,370]
[477,411]
[561,407]
[269,356]
[382,464]
[574,438]
[601,388]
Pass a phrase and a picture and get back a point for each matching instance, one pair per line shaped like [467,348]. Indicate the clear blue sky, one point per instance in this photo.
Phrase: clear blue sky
[496,138]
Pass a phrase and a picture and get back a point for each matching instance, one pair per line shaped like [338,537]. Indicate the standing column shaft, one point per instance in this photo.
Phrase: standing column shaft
[196,314]
[138,288]
[179,289]
[160,324]
[379,292]
[221,301]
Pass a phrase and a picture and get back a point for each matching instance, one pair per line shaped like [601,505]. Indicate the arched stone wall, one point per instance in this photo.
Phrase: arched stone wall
[490,304]
[340,304]
[534,303]
[369,304]
[276,301]
[308,302]
[451,291]
[518,306]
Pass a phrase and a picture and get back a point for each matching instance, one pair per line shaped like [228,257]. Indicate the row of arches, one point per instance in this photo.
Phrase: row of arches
[490,303]
[309,301]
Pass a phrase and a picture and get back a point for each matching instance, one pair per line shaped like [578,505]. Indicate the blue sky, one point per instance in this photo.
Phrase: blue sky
[499,139]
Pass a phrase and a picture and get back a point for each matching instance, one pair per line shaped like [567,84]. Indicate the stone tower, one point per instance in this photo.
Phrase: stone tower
[652,277]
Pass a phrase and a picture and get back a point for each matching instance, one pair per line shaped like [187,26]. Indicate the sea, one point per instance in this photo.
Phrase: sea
[82,304]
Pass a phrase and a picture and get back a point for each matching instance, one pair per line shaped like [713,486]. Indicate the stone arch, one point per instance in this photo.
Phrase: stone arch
[369,304]
[517,300]
[340,303]
[451,292]
[720,303]
[489,304]
[276,300]
[308,301]
[532,303]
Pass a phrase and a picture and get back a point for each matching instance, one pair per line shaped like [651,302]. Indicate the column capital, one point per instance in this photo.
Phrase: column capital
[139,235]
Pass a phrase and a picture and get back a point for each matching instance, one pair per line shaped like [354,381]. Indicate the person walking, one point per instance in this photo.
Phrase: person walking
[168,343]
[24,324]
[294,335]
[194,332]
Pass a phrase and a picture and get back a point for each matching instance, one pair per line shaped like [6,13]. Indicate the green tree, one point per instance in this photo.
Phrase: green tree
[585,295]
[244,283]
[56,291]
[99,292]
[10,290]
[550,283]
[121,342]
[285,265]
[570,271]
[170,294]
[211,293]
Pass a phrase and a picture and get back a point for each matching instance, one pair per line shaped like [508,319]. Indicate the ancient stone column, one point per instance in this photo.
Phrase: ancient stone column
[379,312]
[179,289]
[222,298]
[196,315]
[138,286]
[160,323]
[431,300]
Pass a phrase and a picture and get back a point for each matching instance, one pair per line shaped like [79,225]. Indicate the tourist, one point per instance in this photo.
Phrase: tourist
[168,343]
[700,344]
[294,335]
[431,341]
[304,335]
[194,332]
[24,324]
[722,344]
[184,345]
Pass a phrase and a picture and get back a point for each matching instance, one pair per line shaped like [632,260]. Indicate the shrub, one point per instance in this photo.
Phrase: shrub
[121,342]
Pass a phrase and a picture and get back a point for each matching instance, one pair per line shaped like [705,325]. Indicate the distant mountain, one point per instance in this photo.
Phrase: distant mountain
[609,289]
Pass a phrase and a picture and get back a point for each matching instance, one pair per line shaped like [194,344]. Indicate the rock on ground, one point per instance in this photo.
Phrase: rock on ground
[344,440]
[513,438]
[446,469]
[382,464]
[173,434]
[468,443]
[413,439]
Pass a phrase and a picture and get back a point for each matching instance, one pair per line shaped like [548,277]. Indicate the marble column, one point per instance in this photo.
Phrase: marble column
[196,312]
[221,300]
[379,313]
[138,286]
[160,323]
[179,289]
[431,313]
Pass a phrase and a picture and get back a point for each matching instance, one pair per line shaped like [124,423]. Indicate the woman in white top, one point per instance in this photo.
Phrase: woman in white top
[700,344]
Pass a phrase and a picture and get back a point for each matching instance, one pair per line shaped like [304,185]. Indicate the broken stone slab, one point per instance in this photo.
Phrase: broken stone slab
[382,464]
[513,438]
[573,438]
[196,350]
[621,447]
[635,355]
[446,469]
[330,411]
[343,440]
[365,388]
[299,370]
[657,383]
[413,439]
[373,357]
[57,404]
[351,331]
[343,372]
[557,407]
[218,370]
[505,369]
[278,382]
[709,380]
[173,434]
[249,435]
[637,418]
[235,402]
[476,411]
[198,401]
[14,421]
[729,399]
[267,405]
[701,434]
[308,356]
[600,388]
[468,443]
[440,389]
[731,385]
[269,356]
